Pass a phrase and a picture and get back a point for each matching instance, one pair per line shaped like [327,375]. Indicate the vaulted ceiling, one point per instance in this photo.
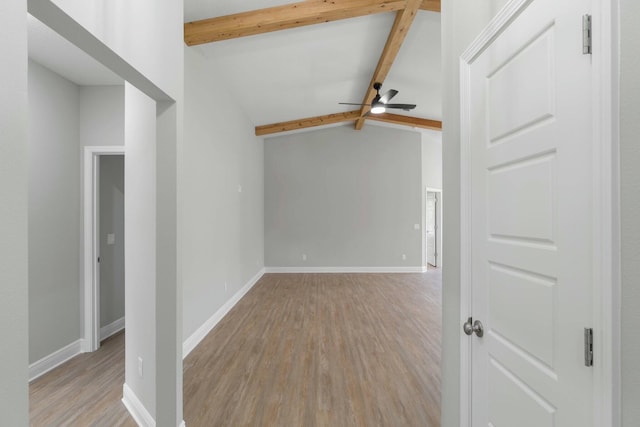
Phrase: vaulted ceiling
[288,68]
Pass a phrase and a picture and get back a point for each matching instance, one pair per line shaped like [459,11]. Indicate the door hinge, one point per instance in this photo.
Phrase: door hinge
[586,34]
[588,347]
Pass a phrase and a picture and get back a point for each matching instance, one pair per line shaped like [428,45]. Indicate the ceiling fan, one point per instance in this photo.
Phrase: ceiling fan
[380,102]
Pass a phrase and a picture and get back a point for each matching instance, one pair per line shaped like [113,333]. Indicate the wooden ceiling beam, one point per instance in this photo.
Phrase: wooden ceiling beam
[347,117]
[430,5]
[307,123]
[401,25]
[283,17]
[407,121]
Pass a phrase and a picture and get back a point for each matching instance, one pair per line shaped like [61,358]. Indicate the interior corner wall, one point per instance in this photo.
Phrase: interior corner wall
[222,195]
[630,208]
[54,212]
[462,22]
[343,198]
[14,397]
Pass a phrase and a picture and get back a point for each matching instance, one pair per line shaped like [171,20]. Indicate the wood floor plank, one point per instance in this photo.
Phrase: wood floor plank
[322,350]
[85,391]
[297,350]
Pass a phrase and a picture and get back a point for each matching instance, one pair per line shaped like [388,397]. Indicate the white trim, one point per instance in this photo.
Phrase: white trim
[91,307]
[606,207]
[138,412]
[182,424]
[420,269]
[55,359]
[195,338]
[112,328]
[606,213]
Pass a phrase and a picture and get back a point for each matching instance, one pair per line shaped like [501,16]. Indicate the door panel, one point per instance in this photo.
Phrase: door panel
[530,134]
[431,228]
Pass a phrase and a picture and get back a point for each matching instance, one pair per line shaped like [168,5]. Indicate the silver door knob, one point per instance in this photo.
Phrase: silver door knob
[469,328]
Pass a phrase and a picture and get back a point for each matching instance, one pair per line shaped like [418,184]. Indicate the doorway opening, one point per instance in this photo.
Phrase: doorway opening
[433,228]
[103,244]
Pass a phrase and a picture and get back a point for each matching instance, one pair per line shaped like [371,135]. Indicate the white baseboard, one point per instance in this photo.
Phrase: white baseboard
[55,359]
[419,269]
[138,412]
[182,424]
[111,328]
[195,338]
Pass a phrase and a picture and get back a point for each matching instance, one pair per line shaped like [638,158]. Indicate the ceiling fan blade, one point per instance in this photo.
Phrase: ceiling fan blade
[350,103]
[405,107]
[387,96]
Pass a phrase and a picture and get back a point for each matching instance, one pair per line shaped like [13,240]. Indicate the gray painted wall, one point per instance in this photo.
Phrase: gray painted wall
[630,208]
[111,253]
[54,212]
[432,159]
[102,115]
[14,397]
[140,244]
[344,198]
[222,229]
[63,117]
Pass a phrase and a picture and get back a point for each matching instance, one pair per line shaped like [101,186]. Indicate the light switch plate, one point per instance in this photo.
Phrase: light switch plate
[111,239]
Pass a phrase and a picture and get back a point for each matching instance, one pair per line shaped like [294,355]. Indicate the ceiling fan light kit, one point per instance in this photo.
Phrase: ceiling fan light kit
[377,109]
[380,102]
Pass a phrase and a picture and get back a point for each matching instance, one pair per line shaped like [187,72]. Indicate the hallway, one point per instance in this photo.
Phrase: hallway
[298,349]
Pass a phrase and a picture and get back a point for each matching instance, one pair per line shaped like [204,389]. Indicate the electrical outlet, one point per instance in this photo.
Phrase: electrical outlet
[404,257]
[140,371]
[416,226]
[304,257]
[225,286]
[239,188]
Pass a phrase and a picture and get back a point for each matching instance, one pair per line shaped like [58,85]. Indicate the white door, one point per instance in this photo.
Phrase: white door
[431,226]
[530,183]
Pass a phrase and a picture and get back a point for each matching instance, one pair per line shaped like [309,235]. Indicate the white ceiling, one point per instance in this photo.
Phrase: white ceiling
[48,48]
[306,71]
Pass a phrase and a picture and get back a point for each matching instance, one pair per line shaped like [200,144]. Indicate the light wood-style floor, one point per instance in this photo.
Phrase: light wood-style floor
[297,350]
[85,391]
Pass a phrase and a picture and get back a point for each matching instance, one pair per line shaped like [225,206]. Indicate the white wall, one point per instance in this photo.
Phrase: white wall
[111,216]
[54,212]
[222,228]
[14,398]
[101,115]
[344,198]
[630,208]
